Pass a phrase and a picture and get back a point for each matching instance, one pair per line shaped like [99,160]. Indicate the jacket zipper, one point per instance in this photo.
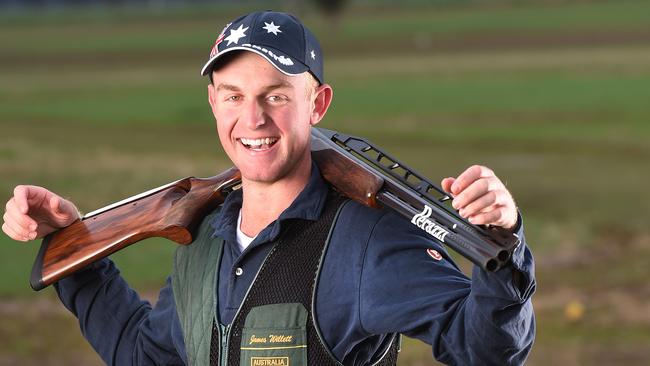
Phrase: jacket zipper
[225,330]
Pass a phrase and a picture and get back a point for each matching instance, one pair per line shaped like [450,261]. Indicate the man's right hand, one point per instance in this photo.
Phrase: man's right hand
[34,212]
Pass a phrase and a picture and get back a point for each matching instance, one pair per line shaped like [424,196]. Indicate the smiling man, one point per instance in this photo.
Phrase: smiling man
[287,272]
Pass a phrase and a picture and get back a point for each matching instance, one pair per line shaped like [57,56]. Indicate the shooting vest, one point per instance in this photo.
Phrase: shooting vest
[275,324]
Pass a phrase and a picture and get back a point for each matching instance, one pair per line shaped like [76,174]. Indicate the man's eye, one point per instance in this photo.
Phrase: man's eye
[233,98]
[276,99]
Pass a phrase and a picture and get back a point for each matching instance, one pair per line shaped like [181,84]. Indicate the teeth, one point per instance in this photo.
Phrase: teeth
[258,142]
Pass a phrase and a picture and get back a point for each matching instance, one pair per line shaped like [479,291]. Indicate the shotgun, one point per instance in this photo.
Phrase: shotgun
[352,165]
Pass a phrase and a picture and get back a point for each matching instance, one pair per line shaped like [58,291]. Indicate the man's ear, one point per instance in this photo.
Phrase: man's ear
[212,97]
[322,100]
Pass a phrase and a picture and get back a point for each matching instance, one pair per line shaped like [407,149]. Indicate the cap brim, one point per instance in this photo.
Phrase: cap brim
[280,61]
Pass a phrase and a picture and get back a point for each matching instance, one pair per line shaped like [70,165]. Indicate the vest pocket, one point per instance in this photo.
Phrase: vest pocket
[275,335]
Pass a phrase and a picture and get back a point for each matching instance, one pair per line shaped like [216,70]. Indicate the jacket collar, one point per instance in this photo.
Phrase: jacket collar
[308,206]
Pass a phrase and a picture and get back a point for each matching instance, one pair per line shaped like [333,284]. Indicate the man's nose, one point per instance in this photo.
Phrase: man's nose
[253,114]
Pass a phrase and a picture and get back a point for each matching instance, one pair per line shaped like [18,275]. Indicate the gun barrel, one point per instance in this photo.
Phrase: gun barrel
[422,202]
[488,256]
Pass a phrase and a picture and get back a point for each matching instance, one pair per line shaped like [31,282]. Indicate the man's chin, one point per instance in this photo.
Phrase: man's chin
[262,179]
[261,176]
[272,172]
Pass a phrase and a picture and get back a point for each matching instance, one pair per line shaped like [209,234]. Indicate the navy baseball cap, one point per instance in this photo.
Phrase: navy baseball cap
[278,37]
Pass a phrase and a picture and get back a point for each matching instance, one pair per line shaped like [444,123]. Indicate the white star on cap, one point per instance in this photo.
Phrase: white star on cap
[236,34]
[313,55]
[272,28]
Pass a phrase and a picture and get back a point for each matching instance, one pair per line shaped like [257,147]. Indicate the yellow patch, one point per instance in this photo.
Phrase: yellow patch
[269,361]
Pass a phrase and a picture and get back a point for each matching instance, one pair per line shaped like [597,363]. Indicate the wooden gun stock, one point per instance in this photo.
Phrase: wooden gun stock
[172,211]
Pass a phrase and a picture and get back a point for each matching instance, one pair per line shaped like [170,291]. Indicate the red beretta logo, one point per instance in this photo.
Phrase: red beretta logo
[434,254]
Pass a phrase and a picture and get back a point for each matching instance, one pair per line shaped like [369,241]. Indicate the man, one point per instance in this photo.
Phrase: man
[286,272]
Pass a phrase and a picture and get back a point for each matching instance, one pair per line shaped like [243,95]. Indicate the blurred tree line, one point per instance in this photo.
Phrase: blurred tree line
[330,8]
[117,3]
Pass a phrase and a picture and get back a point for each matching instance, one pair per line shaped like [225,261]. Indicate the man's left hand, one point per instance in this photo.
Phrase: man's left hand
[482,198]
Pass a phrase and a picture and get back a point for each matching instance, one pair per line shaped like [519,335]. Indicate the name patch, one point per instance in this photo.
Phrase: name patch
[271,339]
[422,221]
[270,361]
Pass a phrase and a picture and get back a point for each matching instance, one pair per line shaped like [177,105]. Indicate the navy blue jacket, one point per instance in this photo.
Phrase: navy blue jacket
[377,278]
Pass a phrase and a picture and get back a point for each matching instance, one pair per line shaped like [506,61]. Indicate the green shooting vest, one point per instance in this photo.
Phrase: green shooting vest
[275,324]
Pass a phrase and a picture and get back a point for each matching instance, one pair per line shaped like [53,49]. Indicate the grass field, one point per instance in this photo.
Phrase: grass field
[552,95]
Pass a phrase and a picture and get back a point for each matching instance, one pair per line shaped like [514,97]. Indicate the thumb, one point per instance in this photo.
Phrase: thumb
[59,208]
[55,205]
[63,208]
[446,184]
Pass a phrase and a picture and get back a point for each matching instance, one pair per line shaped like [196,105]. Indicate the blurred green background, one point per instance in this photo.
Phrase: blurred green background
[99,104]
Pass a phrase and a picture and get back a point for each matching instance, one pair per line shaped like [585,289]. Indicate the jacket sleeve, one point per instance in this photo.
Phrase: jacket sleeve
[485,320]
[122,328]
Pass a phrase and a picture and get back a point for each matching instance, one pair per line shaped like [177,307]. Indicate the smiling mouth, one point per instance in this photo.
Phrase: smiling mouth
[258,144]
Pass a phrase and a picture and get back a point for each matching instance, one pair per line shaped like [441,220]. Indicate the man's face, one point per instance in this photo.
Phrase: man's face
[264,117]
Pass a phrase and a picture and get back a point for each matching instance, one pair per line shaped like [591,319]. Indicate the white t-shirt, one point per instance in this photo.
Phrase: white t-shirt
[242,239]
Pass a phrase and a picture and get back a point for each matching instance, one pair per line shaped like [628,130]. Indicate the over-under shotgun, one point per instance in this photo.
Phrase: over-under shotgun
[353,166]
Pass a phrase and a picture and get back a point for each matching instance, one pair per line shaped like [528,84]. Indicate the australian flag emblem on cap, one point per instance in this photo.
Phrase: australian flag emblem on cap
[278,37]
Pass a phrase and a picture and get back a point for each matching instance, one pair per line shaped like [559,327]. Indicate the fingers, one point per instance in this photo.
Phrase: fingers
[34,212]
[495,216]
[19,225]
[45,206]
[446,184]
[30,197]
[16,231]
[15,225]
[12,233]
[13,215]
[21,194]
[469,176]
[482,198]
[476,191]
[480,204]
